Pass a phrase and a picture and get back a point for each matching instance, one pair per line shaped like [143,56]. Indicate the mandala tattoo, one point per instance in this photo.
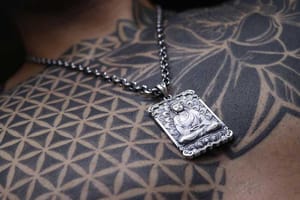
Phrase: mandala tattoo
[68,136]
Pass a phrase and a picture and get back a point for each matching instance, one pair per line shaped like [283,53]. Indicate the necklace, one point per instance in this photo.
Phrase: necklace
[190,124]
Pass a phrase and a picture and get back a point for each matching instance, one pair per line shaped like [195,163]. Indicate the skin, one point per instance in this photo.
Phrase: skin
[67,29]
[101,141]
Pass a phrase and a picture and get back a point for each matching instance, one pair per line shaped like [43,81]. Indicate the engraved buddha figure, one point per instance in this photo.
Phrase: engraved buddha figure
[190,123]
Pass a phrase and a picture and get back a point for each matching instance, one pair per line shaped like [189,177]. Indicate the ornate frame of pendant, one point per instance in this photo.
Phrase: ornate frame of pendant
[190,124]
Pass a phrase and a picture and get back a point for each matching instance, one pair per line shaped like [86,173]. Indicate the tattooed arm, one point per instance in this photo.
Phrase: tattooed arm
[66,135]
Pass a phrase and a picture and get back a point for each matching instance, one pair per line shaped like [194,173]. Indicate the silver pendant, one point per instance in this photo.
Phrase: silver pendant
[190,123]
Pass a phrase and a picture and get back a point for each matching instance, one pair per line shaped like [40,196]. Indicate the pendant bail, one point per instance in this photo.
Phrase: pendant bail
[162,87]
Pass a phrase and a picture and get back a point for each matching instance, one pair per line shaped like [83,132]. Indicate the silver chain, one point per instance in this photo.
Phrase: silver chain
[158,90]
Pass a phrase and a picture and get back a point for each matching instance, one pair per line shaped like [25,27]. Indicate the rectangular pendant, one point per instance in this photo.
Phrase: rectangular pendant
[190,123]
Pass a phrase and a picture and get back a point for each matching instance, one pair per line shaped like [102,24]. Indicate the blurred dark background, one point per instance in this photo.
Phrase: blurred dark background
[11,49]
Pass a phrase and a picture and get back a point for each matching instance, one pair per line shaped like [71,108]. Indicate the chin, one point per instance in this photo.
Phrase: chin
[186,4]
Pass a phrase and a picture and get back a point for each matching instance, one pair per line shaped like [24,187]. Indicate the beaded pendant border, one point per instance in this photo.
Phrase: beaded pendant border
[190,124]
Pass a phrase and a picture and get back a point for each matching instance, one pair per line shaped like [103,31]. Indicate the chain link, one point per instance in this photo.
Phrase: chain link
[123,82]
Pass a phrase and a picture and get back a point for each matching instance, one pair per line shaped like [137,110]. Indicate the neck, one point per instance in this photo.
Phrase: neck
[50,35]
[46,35]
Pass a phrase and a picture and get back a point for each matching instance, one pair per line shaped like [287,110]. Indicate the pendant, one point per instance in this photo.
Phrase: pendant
[190,123]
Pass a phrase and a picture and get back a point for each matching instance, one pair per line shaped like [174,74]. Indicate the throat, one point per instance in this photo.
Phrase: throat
[49,35]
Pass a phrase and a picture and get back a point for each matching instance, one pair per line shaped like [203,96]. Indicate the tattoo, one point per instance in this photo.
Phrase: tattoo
[66,135]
